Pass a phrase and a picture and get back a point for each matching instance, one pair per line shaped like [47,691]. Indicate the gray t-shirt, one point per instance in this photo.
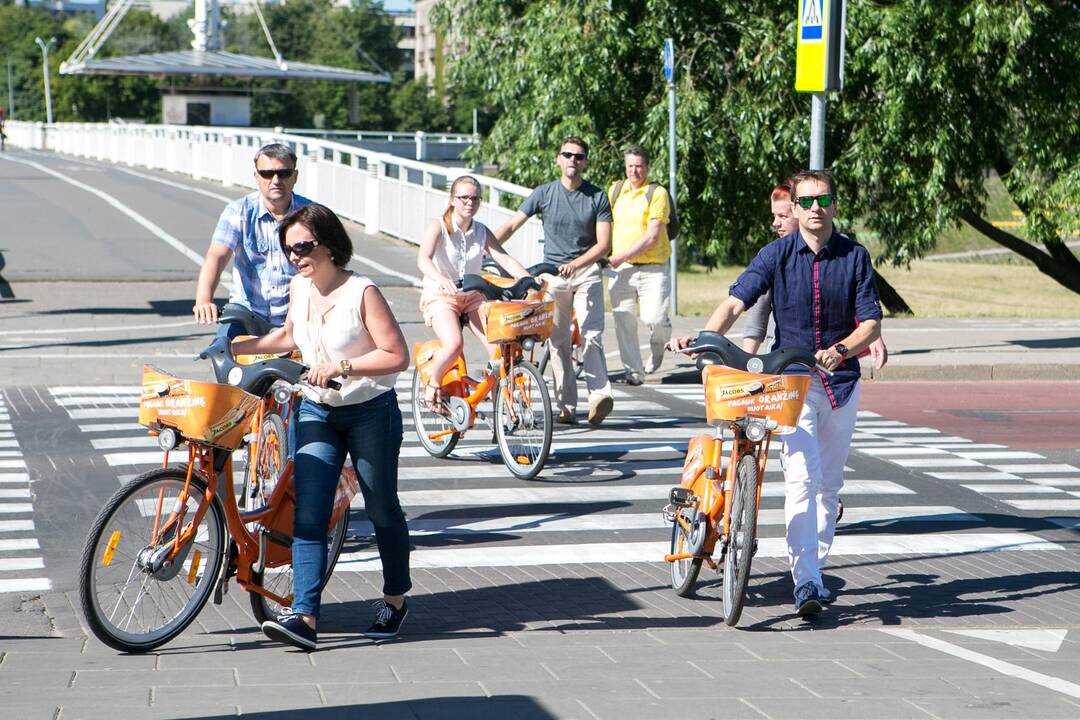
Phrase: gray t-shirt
[569,218]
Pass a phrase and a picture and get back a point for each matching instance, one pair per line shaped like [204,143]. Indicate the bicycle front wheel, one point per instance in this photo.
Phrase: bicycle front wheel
[135,598]
[742,538]
[262,475]
[523,421]
[434,429]
[279,580]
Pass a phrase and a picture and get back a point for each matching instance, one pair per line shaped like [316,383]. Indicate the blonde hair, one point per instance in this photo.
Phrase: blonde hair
[463,180]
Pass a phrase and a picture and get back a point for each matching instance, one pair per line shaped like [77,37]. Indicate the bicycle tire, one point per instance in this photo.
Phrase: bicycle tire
[262,607]
[524,418]
[259,482]
[425,421]
[684,573]
[121,530]
[577,357]
[742,538]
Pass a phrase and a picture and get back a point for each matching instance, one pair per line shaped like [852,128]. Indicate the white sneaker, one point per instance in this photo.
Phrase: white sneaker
[651,367]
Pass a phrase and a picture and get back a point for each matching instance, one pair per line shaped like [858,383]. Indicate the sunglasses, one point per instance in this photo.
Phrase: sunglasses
[301,249]
[468,198]
[580,157]
[807,201]
[283,174]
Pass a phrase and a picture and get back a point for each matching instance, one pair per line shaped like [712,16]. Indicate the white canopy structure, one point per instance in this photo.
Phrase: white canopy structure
[206,56]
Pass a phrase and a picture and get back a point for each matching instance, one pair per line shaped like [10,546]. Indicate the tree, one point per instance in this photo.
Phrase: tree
[937,92]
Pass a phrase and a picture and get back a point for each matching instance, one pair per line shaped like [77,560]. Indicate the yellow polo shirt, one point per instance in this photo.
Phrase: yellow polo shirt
[631,216]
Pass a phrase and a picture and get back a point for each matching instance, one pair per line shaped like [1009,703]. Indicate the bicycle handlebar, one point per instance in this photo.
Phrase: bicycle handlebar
[715,349]
[256,378]
[253,324]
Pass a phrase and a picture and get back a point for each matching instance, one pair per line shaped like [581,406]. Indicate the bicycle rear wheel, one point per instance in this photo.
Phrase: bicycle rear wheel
[523,421]
[742,538]
[133,599]
[279,580]
[428,423]
[684,572]
[262,476]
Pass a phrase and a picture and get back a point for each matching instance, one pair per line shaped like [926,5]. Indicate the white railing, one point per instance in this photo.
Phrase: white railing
[388,194]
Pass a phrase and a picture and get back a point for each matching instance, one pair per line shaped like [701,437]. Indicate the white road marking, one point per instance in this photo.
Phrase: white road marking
[24,585]
[1005,668]
[936,462]
[1046,505]
[653,552]
[16,525]
[19,544]
[1003,455]
[1043,639]
[1036,469]
[1012,489]
[973,475]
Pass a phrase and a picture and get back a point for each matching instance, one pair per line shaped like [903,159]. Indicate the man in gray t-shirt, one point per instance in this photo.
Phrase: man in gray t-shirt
[577,233]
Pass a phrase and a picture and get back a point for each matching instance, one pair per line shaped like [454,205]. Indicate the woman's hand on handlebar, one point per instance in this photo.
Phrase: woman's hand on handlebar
[321,375]
[205,313]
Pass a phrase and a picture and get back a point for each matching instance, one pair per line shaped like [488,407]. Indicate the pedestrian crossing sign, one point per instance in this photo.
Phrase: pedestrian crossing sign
[819,46]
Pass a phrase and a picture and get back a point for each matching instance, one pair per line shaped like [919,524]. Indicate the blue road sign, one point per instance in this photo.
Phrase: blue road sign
[669,60]
[812,25]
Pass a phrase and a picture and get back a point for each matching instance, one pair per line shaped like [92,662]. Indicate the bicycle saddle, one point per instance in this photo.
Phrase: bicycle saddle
[715,349]
[517,291]
[257,377]
[253,324]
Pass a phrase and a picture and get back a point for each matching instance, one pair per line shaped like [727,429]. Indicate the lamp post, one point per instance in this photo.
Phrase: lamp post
[45,62]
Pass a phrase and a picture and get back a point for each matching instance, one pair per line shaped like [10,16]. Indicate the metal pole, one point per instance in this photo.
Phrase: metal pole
[674,262]
[45,62]
[11,92]
[817,131]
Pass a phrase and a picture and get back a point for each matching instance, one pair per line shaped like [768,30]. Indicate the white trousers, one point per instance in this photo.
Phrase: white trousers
[648,285]
[813,458]
[582,293]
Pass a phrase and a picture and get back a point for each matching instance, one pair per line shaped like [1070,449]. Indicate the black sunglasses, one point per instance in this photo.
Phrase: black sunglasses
[301,249]
[580,157]
[283,173]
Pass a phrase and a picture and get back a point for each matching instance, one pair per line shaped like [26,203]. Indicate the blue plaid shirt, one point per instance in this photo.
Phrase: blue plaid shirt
[817,299]
[261,271]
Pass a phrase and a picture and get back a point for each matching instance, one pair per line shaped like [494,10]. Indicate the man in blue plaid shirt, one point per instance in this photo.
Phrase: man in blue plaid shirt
[247,233]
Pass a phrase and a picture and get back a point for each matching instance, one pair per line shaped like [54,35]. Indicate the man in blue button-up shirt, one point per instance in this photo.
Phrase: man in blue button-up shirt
[247,232]
[821,281]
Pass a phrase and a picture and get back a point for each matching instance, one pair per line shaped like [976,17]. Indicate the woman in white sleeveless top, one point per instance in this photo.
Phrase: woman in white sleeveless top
[453,246]
[345,331]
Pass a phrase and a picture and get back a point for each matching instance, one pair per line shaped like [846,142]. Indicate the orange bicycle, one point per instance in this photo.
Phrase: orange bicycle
[518,316]
[716,505]
[158,548]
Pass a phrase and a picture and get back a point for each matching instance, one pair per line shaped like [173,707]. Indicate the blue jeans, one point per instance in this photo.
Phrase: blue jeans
[371,433]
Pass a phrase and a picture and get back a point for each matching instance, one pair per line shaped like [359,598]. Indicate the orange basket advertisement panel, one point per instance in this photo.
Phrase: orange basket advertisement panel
[732,394]
[208,412]
[518,319]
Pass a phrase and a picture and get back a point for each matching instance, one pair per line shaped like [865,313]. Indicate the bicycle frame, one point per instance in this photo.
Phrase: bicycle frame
[715,500]
[253,551]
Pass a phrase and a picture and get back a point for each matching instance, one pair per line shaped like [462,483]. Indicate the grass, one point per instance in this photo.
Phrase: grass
[932,289]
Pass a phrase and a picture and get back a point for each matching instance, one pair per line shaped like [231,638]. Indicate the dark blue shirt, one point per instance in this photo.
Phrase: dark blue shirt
[816,298]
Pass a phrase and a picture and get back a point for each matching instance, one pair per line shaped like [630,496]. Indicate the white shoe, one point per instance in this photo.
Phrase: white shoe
[651,367]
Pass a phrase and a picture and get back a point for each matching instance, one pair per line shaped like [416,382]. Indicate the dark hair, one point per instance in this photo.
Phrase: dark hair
[823,176]
[276,151]
[324,226]
[639,151]
[574,140]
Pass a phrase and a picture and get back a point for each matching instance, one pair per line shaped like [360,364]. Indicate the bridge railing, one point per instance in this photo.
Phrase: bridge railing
[386,193]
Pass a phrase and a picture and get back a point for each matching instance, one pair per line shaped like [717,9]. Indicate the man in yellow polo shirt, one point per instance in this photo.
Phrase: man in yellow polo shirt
[639,256]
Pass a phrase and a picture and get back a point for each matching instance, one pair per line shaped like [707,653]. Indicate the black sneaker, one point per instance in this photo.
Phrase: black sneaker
[387,620]
[807,599]
[291,629]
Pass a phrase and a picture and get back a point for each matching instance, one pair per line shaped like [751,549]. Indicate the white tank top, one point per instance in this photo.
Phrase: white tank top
[339,335]
[459,253]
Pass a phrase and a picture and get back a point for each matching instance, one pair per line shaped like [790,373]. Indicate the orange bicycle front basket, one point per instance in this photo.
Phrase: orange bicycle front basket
[519,319]
[731,394]
[206,412]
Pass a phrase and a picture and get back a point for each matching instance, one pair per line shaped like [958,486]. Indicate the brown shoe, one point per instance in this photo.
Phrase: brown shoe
[599,408]
[566,417]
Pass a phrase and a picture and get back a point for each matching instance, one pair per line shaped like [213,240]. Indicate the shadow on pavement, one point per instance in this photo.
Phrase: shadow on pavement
[161,308]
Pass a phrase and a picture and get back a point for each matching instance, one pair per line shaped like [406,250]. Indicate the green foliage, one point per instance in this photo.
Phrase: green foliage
[937,92]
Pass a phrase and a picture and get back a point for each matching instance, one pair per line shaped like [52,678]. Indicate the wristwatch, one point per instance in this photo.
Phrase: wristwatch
[841,349]
[346,367]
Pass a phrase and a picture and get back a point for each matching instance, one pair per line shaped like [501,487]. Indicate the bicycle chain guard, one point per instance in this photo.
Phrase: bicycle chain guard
[459,413]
